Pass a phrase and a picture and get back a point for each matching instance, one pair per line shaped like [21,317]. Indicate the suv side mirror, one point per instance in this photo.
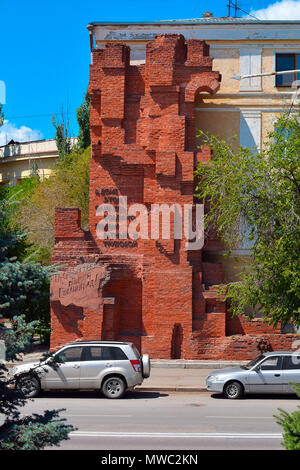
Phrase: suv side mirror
[50,360]
[54,361]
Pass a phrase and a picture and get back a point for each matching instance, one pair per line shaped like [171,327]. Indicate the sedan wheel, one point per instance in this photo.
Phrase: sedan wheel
[29,386]
[114,387]
[233,390]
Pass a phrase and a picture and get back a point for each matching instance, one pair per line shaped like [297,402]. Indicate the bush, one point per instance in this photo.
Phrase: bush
[290,423]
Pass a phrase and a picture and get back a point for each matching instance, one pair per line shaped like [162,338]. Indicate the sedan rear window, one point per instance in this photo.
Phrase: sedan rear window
[291,362]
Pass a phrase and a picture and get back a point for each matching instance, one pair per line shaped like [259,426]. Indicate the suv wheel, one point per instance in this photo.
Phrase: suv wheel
[113,387]
[233,390]
[29,385]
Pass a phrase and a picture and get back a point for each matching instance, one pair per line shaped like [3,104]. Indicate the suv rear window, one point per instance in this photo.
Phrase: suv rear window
[104,353]
[136,351]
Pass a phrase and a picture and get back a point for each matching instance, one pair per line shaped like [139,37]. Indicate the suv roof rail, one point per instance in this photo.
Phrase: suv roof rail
[97,341]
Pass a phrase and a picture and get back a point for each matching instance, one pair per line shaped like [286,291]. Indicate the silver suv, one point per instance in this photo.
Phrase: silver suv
[110,366]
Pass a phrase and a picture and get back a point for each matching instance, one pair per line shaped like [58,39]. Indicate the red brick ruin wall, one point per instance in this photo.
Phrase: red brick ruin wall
[151,292]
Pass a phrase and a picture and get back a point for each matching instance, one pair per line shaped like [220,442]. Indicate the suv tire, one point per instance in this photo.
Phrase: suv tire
[113,387]
[29,385]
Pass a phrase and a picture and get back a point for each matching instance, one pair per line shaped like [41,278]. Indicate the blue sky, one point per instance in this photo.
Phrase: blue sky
[45,52]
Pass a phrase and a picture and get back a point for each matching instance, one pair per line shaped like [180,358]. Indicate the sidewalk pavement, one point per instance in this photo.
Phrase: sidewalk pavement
[180,375]
[176,375]
[175,380]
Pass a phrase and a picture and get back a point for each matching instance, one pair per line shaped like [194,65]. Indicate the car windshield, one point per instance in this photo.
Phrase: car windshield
[254,362]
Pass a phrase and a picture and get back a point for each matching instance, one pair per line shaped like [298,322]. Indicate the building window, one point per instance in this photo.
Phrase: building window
[283,62]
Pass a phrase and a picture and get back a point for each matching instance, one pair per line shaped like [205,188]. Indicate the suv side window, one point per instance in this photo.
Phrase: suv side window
[272,363]
[105,353]
[70,355]
[291,362]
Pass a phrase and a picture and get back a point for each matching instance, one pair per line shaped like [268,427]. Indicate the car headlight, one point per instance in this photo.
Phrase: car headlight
[211,378]
[12,371]
[214,378]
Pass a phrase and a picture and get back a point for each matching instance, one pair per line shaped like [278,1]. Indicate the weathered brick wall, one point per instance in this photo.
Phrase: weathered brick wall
[241,347]
[240,325]
[151,292]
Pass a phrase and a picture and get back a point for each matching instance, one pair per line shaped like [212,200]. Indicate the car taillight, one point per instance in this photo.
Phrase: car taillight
[136,365]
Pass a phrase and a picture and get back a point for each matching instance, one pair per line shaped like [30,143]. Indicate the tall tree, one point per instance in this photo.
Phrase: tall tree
[1,115]
[68,186]
[83,119]
[63,141]
[21,285]
[256,195]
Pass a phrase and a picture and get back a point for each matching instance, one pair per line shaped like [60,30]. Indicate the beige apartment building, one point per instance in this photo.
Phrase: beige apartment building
[19,159]
[244,108]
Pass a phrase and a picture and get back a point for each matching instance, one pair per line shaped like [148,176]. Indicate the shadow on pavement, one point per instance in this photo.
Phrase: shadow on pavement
[141,394]
[94,394]
[259,396]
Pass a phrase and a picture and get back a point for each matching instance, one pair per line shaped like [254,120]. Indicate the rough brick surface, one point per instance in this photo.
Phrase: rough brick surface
[151,292]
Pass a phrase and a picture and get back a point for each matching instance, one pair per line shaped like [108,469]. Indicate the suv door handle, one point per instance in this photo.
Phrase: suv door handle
[277,375]
[76,366]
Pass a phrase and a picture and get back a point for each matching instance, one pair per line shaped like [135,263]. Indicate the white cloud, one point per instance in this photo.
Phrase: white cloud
[20,134]
[284,10]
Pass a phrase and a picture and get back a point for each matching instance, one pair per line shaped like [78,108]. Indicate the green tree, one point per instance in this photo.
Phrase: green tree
[21,284]
[83,119]
[25,250]
[290,423]
[1,115]
[67,187]
[63,141]
[256,196]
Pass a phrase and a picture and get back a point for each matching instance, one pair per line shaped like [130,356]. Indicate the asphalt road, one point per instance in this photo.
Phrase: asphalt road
[153,420]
